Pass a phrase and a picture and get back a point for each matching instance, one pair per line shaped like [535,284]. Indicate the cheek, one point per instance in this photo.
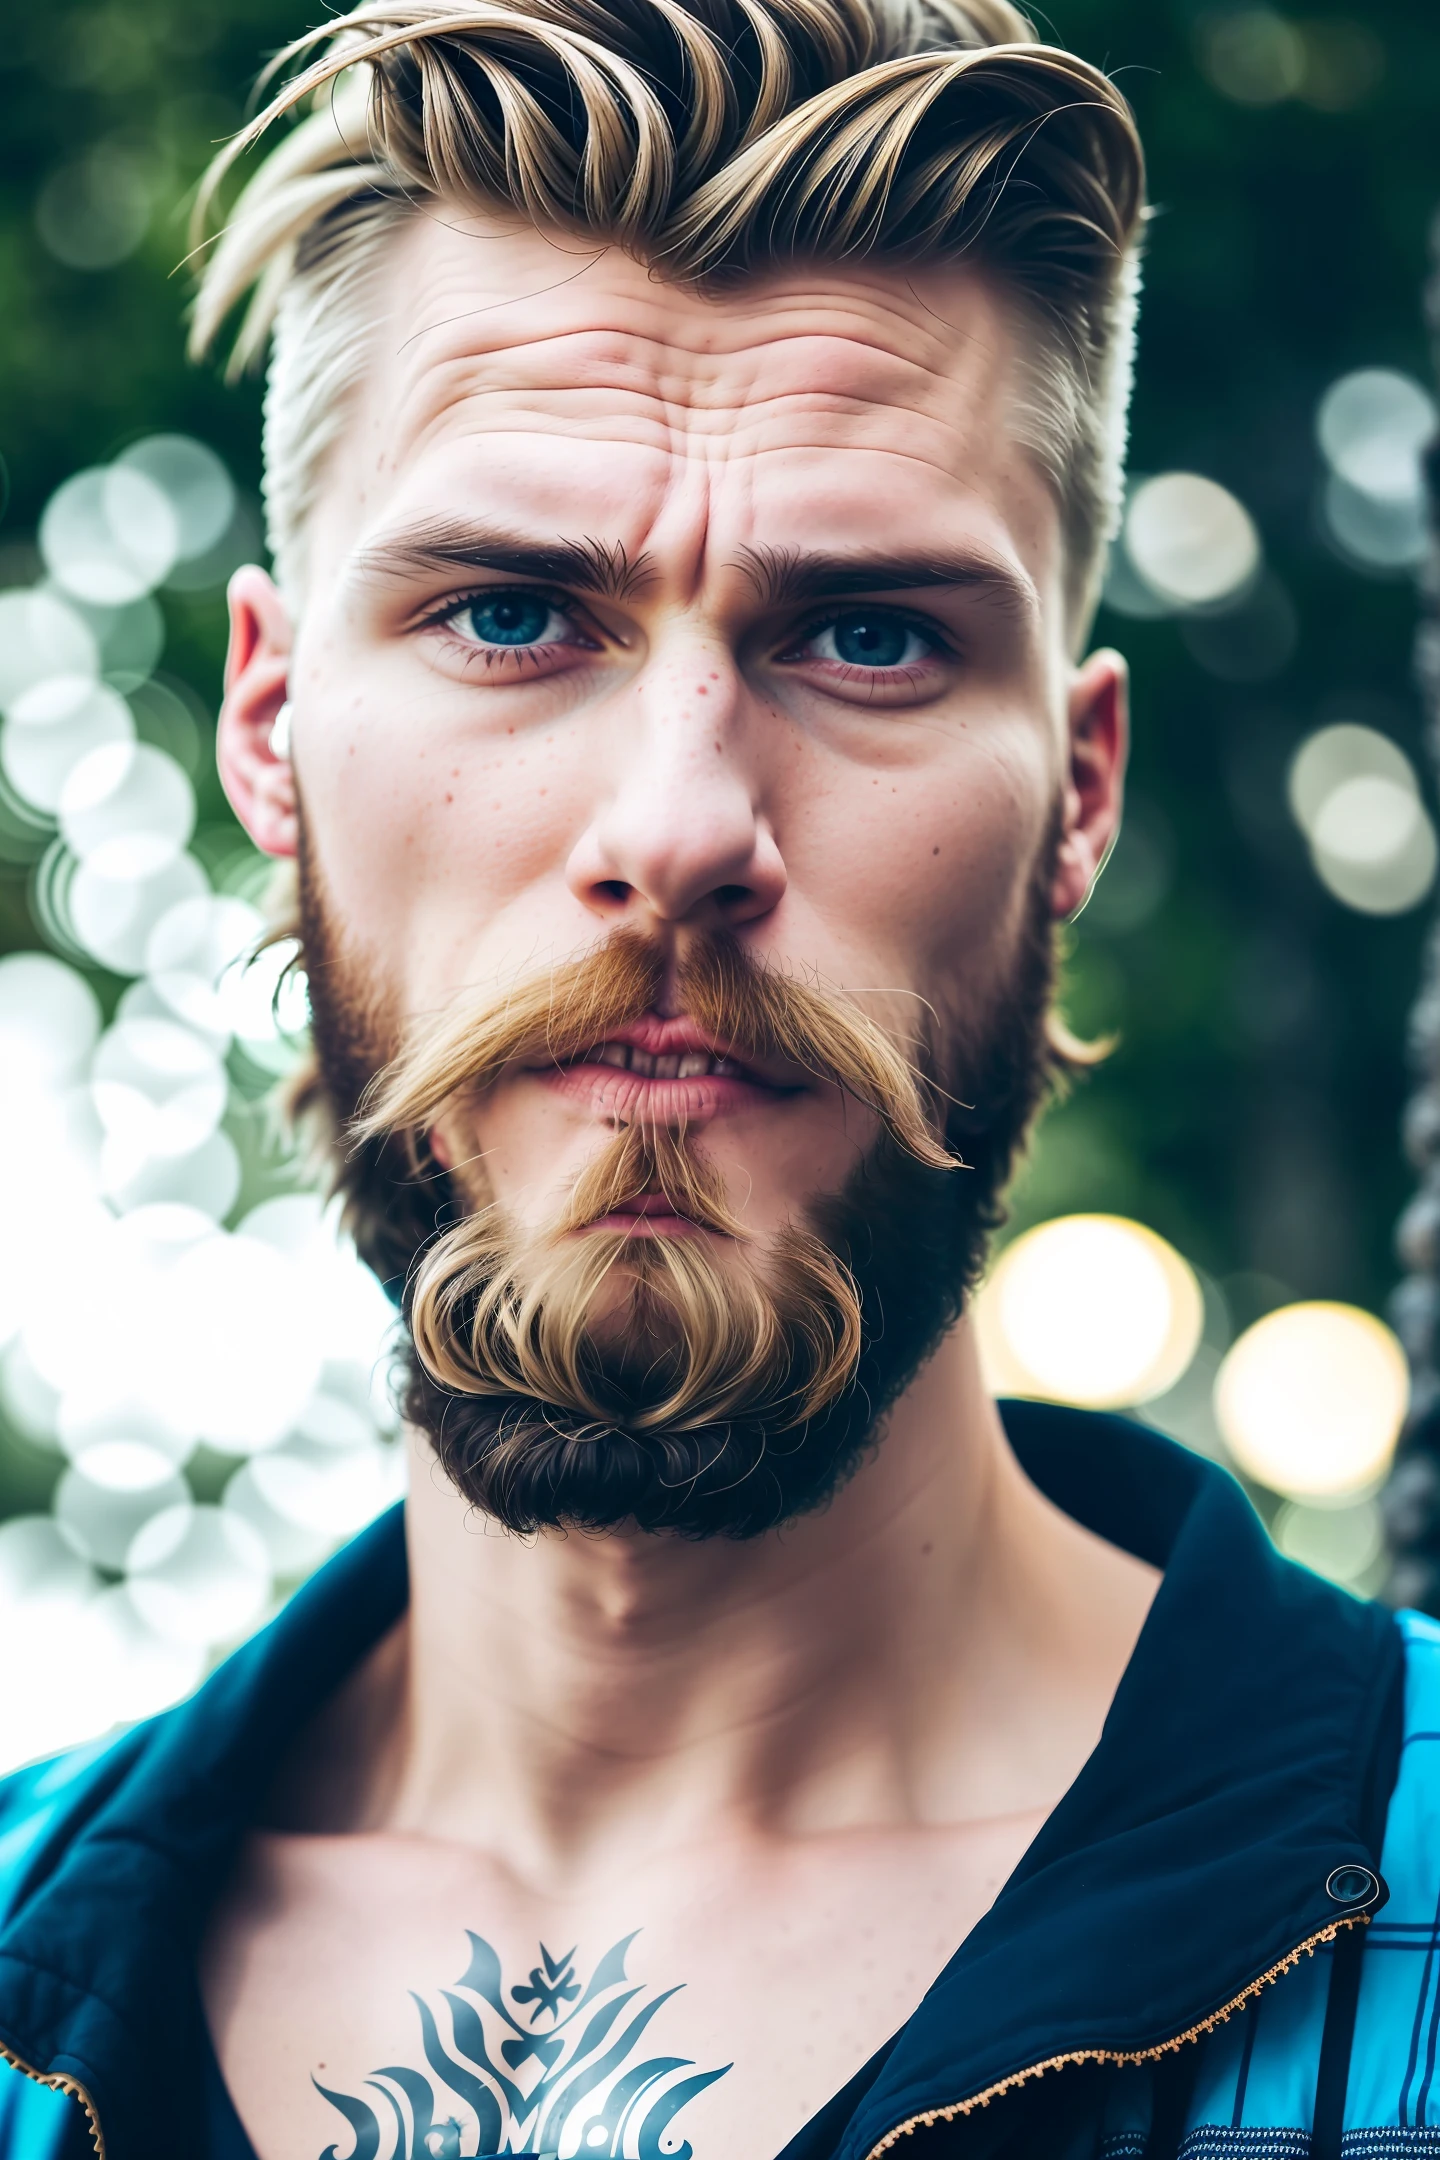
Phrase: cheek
[931,865]
[425,828]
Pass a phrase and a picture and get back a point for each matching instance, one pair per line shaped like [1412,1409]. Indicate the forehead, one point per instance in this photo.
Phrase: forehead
[568,387]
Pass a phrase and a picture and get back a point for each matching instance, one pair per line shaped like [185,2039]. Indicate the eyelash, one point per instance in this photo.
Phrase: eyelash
[443,617]
[941,647]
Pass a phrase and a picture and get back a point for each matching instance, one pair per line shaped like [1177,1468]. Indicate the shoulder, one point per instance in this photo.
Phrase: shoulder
[39,1801]
[37,1804]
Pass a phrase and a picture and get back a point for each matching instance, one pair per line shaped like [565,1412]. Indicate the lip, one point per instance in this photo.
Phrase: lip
[660,1037]
[620,1094]
[624,1096]
[660,1222]
[647,1215]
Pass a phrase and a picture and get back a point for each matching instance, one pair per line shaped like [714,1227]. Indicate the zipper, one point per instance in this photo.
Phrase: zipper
[1114,2055]
[58,2082]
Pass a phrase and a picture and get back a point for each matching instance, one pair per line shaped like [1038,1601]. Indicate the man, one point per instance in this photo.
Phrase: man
[692,437]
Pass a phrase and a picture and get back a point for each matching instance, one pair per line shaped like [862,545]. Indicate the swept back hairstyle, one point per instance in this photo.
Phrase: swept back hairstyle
[714,140]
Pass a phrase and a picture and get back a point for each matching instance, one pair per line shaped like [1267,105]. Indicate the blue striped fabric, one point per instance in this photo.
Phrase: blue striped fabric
[1255,2090]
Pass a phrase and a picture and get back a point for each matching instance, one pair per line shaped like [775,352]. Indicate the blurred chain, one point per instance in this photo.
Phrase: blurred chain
[1411,1500]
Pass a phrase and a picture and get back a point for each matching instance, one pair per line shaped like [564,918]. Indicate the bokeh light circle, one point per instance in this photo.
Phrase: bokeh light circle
[158,1086]
[1334,755]
[39,1566]
[198,1575]
[109,534]
[195,957]
[292,1547]
[1355,796]
[116,1440]
[244,1353]
[1373,426]
[193,481]
[1190,539]
[1089,1309]
[331,1492]
[1311,1399]
[101,1520]
[207,1177]
[41,637]
[140,1672]
[49,1022]
[1341,1543]
[51,726]
[112,918]
[127,810]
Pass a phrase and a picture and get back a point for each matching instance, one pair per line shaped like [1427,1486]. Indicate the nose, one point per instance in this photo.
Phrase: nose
[681,836]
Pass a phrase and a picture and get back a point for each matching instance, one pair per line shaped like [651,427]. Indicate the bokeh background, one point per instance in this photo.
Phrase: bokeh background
[193,1406]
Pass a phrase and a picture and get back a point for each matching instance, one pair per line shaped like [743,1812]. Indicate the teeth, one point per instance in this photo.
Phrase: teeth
[668,1065]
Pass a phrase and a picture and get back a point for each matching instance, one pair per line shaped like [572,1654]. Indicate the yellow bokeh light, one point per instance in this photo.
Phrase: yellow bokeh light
[1088,1309]
[1311,1399]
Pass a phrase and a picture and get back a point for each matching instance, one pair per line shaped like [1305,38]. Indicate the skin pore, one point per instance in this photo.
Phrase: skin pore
[626,606]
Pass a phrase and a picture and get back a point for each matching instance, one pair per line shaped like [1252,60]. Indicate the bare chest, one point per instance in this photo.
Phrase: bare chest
[415,1998]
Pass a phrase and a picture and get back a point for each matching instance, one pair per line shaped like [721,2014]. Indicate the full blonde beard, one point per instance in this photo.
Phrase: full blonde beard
[703,1386]
[671,1331]
[676,1331]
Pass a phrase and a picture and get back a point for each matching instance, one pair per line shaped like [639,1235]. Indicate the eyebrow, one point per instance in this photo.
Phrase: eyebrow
[782,576]
[444,546]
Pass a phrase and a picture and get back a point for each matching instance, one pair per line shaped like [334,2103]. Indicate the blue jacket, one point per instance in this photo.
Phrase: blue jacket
[1225,1941]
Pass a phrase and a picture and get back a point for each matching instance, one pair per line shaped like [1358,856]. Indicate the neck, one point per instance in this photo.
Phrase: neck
[936,1645]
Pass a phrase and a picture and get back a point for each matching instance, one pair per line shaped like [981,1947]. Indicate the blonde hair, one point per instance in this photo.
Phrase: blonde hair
[493,1313]
[713,140]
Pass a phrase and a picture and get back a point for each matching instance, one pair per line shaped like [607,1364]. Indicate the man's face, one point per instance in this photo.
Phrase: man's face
[632,609]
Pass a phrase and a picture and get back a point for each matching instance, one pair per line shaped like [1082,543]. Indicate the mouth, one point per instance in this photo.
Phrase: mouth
[669,1071]
[666,1064]
[648,1215]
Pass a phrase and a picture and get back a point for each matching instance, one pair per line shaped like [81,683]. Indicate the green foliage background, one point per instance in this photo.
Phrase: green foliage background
[1250,1113]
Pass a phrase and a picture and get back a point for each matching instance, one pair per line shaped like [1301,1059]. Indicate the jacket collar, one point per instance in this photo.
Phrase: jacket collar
[1191,1855]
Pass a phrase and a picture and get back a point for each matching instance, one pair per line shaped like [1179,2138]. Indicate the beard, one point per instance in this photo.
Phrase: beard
[701,1385]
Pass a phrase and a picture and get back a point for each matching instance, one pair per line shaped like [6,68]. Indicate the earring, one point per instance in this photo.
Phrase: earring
[280,732]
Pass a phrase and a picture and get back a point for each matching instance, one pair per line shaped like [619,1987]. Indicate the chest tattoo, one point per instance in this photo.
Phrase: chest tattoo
[557,2067]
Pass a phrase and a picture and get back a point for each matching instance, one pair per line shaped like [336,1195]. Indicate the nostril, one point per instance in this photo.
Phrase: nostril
[733,896]
[613,890]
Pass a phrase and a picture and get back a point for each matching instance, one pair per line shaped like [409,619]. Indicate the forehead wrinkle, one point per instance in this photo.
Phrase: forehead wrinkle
[463,284]
[662,350]
[694,387]
[666,530]
[578,366]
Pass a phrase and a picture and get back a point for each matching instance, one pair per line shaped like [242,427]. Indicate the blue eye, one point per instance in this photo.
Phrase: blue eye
[871,638]
[511,618]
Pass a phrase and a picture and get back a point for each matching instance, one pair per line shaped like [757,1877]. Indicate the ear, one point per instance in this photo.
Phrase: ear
[1093,794]
[254,764]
